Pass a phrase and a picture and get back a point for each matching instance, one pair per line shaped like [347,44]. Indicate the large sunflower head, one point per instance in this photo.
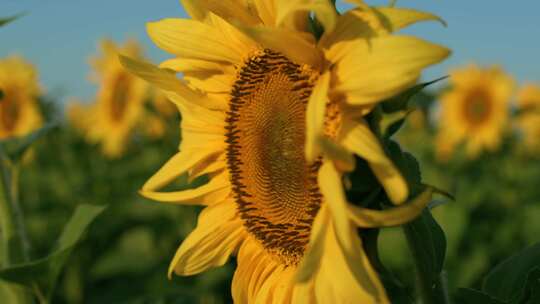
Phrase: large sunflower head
[528,121]
[274,117]
[119,104]
[474,110]
[19,109]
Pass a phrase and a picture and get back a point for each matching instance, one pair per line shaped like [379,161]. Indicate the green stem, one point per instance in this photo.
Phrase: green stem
[15,246]
[15,242]
[433,288]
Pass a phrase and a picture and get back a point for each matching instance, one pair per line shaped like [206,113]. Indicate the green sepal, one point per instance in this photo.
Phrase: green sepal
[392,122]
[400,102]
[6,20]
[41,275]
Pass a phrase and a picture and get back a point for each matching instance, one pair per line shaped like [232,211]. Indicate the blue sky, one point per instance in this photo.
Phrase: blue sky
[60,35]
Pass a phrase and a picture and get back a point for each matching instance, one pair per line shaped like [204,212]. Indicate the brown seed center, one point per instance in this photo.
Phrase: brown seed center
[275,188]
[120,96]
[478,107]
[10,110]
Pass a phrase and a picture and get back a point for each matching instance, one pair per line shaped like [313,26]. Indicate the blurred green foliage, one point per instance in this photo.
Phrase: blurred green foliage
[125,255]
[495,212]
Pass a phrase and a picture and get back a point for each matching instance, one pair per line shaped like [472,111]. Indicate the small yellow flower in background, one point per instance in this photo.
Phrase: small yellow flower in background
[475,110]
[258,94]
[19,109]
[528,121]
[119,105]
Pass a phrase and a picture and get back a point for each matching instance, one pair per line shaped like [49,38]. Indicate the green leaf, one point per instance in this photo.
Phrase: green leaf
[6,20]
[401,101]
[425,237]
[472,296]
[508,279]
[43,273]
[15,147]
[429,244]
[395,289]
[408,166]
[1,95]
[531,293]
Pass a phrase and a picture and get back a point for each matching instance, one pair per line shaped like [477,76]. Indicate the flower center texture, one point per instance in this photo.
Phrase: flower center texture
[9,110]
[119,96]
[275,188]
[477,107]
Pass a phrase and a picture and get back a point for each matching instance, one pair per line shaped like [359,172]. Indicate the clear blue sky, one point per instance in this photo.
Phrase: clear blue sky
[59,35]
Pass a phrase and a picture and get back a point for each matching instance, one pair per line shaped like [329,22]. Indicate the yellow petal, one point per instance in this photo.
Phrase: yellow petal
[217,235]
[394,18]
[359,3]
[342,158]
[340,282]
[346,235]
[311,260]
[383,66]
[167,81]
[267,11]
[291,44]
[315,113]
[369,218]
[192,39]
[253,269]
[217,189]
[277,288]
[334,196]
[163,79]
[304,293]
[232,35]
[185,64]
[230,10]
[354,24]
[323,9]
[357,137]
[194,9]
[174,167]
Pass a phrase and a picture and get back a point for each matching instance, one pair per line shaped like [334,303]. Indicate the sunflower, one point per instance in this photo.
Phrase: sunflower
[19,109]
[528,99]
[119,104]
[475,110]
[274,117]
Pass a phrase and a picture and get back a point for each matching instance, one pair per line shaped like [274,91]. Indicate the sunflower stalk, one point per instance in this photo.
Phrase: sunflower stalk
[15,240]
[15,245]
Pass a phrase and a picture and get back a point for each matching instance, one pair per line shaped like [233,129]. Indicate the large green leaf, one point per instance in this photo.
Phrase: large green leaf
[508,280]
[426,239]
[472,296]
[429,244]
[43,273]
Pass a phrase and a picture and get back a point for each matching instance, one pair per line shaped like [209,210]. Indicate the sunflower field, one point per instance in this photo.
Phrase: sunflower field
[277,152]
